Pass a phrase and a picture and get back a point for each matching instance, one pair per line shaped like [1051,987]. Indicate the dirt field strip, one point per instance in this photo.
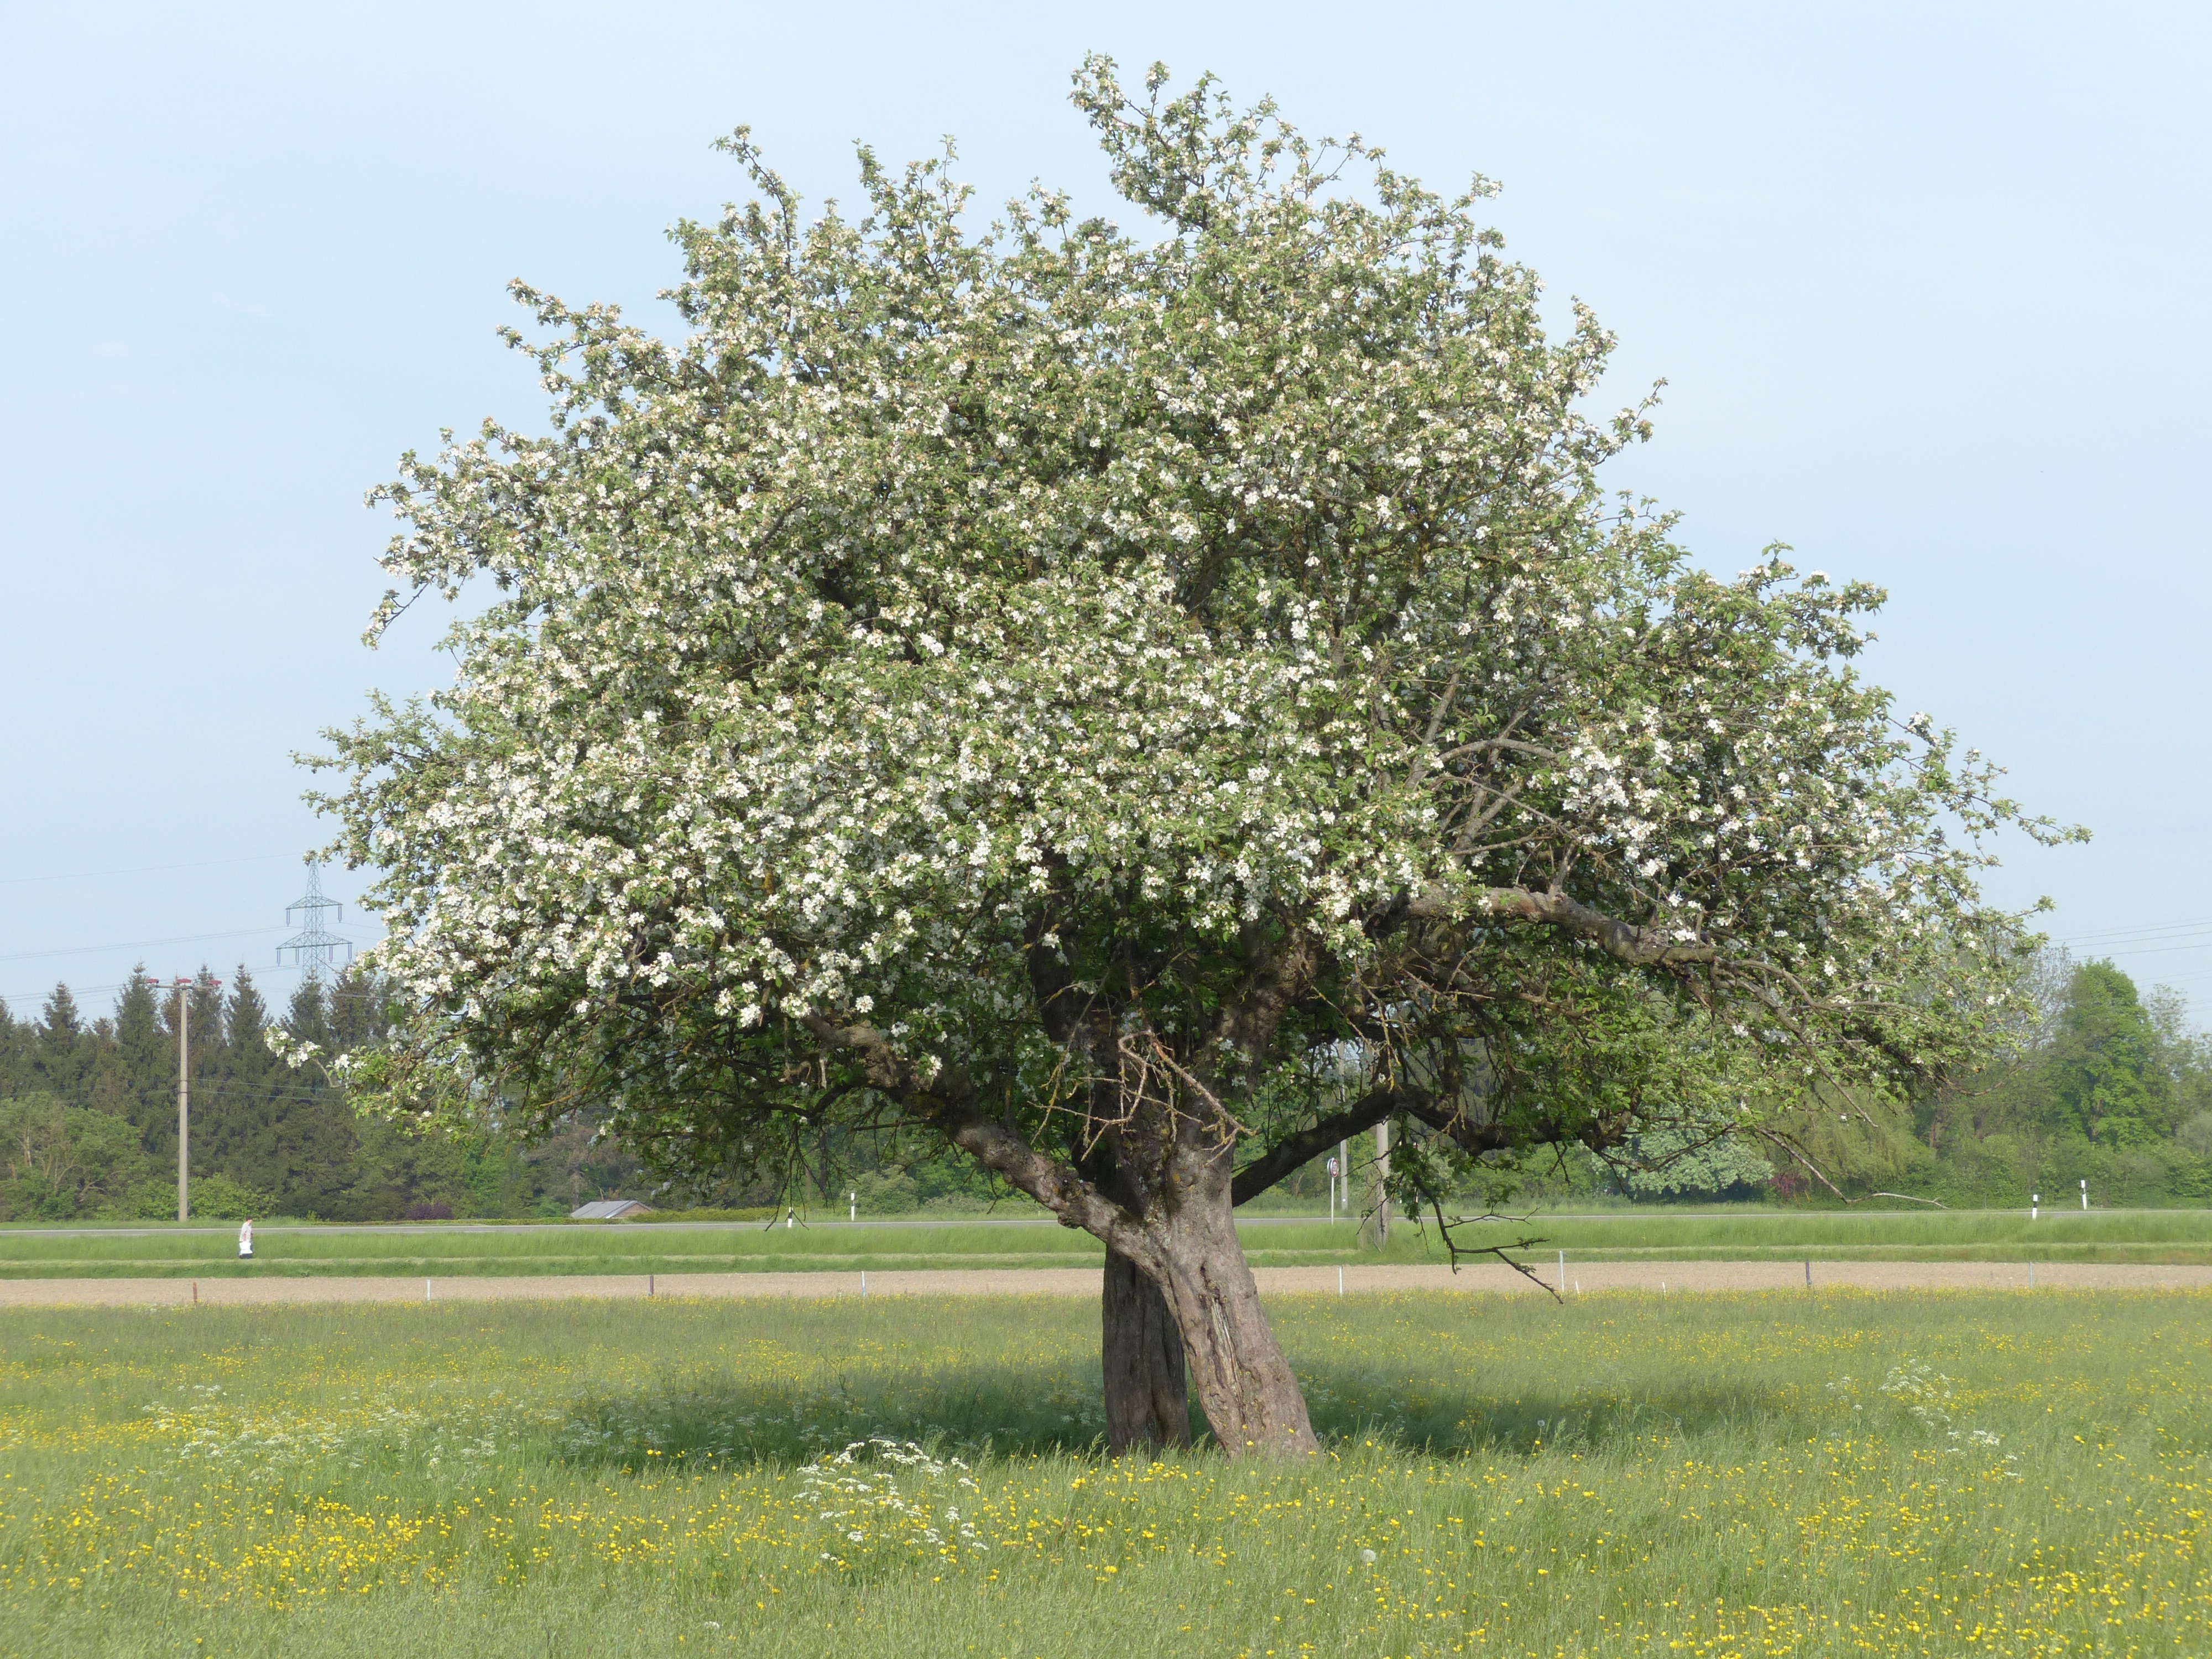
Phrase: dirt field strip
[1652,1278]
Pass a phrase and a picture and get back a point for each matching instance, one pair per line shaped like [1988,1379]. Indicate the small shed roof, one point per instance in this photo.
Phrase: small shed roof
[609,1209]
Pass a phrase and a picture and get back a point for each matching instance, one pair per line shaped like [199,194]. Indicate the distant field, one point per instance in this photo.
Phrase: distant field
[1998,1476]
[2172,1236]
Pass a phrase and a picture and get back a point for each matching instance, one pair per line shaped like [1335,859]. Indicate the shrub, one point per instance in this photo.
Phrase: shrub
[58,1161]
[218,1198]
[1676,1164]
[886,1192]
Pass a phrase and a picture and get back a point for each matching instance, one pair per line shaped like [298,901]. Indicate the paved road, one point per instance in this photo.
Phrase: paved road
[448,1228]
[170,1229]
[1642,1278]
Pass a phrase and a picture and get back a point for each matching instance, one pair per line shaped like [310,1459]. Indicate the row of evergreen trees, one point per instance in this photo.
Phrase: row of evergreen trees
[2103,1087]
[89,1119]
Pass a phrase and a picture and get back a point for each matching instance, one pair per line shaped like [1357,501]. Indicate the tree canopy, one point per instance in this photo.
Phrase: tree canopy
[1080,692]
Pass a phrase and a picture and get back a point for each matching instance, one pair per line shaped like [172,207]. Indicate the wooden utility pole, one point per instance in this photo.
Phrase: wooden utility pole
[1377,1227]
[185,1093]
[183,1105]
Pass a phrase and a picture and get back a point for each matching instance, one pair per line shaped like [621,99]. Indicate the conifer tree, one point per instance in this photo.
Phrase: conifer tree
[146,1064]
[307,1016]
[62,1053]
[14,1055]
[282,1133]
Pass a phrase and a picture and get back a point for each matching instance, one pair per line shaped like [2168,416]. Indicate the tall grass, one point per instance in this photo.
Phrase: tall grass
[1832,1473]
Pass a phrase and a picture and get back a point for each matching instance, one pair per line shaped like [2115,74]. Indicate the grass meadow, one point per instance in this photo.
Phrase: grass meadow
[2013,1473]
[451,1250]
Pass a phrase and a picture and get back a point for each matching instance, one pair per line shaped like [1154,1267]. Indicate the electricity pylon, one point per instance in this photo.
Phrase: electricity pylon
[314,947]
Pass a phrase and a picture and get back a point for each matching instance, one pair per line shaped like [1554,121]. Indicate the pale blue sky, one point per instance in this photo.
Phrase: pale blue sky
[1929,285]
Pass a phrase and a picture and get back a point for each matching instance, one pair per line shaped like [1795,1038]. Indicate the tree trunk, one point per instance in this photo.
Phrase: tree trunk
[1251,1398]
[1156,1189]
[1147,1397]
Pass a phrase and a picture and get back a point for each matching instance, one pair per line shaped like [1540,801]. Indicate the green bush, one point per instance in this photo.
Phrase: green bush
[1977,1171]
[218,1198]
[1669,1164]
[58,1161]
[886,1192]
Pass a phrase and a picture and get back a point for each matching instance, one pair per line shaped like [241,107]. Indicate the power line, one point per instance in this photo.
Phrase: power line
[2140,932]
[133,944]
[118,985]
[146,869]
[2187,979]
[34,996]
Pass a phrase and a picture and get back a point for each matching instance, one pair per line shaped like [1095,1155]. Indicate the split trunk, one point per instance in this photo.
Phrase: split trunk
[1188,1312]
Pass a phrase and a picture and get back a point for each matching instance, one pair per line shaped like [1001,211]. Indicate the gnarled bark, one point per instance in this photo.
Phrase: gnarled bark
[1250,1396]
[1141,1352]
[1155,1186]
[1140,1347]
[1181,1305]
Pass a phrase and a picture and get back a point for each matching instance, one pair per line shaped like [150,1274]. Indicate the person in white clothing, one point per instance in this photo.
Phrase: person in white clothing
[246,1239]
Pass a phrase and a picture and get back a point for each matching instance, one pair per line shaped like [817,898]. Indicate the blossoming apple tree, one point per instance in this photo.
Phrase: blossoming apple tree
[1065,691]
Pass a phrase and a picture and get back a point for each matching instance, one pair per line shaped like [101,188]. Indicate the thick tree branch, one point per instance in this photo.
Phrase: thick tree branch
[947,1101]
[1302,1148]
[1473,1137]
[1281,972]
[1639,947]
[888,1070]
[1075,1201]
[1050,981]
[1295,1152]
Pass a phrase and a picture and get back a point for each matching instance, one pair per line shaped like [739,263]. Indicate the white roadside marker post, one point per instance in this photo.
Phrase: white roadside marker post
[2034,1203]
[1339,1281]
[1563,1273]
[2085,1192]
